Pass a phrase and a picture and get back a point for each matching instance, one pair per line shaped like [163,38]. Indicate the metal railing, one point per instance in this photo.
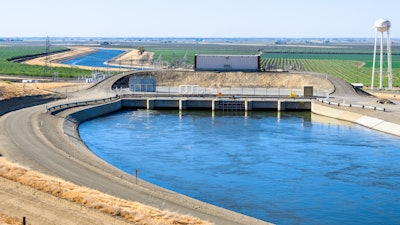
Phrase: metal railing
[81,103]
[351,105]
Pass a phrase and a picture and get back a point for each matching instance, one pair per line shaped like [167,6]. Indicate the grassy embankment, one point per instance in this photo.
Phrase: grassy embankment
[13,68]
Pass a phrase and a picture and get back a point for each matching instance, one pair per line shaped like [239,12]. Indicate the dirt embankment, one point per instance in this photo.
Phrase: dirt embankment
[69,203]
[243,79]
[54,60]
[12,90]
[383,95]
[15,96]
[133,58]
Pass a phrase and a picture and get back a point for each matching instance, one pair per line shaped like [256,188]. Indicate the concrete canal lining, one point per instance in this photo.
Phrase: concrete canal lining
[218,104]
[72,120]
[357,117]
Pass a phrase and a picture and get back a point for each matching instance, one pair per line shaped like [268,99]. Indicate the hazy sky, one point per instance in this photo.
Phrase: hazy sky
[196,18]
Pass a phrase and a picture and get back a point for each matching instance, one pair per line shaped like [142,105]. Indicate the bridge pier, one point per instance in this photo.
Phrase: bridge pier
[150,104]
[281,105]
[248,105]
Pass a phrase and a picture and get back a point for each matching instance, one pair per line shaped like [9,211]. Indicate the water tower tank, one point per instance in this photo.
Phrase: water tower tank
[382,25]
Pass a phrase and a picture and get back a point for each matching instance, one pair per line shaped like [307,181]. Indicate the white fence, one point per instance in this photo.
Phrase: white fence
[195,89]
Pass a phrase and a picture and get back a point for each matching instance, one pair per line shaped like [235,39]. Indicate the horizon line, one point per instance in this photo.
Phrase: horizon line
[189,37]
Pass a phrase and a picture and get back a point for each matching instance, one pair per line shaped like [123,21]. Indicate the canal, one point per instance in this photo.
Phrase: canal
[284,168]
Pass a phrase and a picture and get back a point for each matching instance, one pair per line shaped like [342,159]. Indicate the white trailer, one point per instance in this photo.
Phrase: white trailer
[227,62]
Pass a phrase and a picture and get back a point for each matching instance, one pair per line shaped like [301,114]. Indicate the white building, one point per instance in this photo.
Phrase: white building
[227,62]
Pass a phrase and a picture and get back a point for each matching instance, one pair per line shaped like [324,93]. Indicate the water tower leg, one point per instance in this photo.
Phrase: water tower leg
[389,56]
[373,62]
[381,63]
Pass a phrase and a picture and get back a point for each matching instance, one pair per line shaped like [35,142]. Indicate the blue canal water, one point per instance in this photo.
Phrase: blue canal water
[286,169]
[96,59]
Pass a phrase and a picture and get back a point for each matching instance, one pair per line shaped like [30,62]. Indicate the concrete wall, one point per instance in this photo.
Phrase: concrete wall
[198,104]
[367,121]
[73,120]
[272,105]
[158,103]
[137,103]
[297,105]
[218,104]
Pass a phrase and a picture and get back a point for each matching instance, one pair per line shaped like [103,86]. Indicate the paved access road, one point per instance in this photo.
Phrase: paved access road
[35,139]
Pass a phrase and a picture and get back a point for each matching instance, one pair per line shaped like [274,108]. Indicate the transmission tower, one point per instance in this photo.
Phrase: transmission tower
[158,63]
[47,58]
[184,61]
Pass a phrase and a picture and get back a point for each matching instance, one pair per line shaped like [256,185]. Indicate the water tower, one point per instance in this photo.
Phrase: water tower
[382,26]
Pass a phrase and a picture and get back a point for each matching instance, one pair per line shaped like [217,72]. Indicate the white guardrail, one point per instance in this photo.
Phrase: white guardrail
[81,103]
[350,105]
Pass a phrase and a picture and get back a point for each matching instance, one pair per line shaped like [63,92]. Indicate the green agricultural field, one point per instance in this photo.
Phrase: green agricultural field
[351,62]
[12,68]
[178,53]
[354,68]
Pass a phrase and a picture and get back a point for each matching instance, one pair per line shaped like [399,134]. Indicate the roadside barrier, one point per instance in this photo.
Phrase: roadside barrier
[350,105]
[82,103]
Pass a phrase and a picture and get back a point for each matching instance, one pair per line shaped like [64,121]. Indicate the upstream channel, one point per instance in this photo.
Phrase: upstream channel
[284,168]
[96,59]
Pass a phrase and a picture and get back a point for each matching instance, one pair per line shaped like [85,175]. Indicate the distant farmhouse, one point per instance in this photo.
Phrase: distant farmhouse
[227,62]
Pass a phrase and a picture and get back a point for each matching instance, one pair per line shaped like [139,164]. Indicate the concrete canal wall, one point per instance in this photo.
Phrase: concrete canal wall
[219,104]
[73,120]
[359,118]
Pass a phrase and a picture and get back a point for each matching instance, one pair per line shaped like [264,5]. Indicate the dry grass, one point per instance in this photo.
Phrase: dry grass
[7,220]
[14,90]
[131,211]
[243,79]
[393,96]
[133,57]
